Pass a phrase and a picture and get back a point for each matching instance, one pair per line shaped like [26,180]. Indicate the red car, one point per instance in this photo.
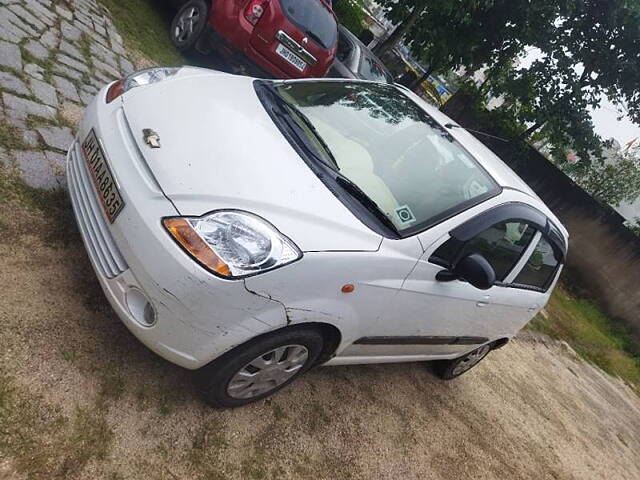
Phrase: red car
[287,38]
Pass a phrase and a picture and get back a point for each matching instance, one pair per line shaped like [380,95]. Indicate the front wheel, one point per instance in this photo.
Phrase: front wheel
[450,369]
[261,367]
[188,24]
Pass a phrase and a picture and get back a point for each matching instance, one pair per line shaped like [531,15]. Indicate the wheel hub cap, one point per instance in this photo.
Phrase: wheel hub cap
[471,359]
[268,371]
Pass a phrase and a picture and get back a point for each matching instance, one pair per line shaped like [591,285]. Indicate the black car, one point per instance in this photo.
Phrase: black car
[355,60]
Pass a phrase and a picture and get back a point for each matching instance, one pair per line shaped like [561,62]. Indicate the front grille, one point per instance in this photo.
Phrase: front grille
[91,222]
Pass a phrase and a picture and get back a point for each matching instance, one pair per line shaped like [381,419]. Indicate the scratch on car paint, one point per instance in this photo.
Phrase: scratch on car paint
[292,311]
[269,297]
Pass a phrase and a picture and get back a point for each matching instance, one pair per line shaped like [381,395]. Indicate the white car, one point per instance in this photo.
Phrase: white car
[252,229]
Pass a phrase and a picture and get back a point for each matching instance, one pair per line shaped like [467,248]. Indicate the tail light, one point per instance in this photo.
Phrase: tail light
[254,10]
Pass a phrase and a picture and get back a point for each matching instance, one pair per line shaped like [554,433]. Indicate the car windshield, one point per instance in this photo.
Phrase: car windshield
[314,19]
[409,166]
[370,69]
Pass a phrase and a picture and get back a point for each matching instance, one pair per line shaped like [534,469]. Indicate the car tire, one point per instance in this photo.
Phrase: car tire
[189,24]
[260,367]
[450,369]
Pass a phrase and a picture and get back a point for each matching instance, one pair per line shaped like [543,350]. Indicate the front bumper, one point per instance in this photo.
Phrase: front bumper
[198,315]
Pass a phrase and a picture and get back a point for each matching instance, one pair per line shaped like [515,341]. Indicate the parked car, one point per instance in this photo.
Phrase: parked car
[355,60]
[286,38]
[252,229]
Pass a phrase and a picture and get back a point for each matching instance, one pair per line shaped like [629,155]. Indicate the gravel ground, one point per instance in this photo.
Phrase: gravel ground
[81,398]
[88,401]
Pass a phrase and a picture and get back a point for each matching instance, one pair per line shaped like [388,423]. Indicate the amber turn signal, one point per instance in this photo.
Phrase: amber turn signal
[187,238]
[348,288]
[115,90]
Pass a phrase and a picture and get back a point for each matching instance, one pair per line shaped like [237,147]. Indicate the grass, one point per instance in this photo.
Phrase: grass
[144,26]
[593,335]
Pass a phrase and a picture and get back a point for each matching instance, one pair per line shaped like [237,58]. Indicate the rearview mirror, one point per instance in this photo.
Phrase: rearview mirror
[473,268]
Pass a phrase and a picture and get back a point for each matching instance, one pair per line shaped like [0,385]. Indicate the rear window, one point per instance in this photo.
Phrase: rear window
[313,19]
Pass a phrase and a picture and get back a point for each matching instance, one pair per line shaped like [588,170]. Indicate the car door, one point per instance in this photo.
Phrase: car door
[436,318]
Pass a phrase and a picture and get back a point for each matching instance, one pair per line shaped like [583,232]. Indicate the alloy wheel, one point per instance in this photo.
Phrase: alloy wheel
[186,24]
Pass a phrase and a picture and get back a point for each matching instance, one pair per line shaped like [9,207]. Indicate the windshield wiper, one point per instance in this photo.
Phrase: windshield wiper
[366,201]
[315,37]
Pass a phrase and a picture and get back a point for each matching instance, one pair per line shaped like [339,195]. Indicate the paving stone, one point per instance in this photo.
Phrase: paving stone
[64,13]
[16,24]
[84,19]
[72,62]
[86,97]
[66,88]
[57,137]
[20,107]
[105,67]
[36,170]
[50,38]
[70,32]
[103,79]
[27,16]
[9,81]
[104,53]
[34,70]
[66,71]
[10,56]
[99,29]
[36,49]
[71,50]
[126,66]
[30,138]
[41,12]
[57,161]
[44,92]
[94,36]
[90,89]
[8,31]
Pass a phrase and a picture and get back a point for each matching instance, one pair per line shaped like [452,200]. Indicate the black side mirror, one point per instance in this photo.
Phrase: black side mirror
[473,268]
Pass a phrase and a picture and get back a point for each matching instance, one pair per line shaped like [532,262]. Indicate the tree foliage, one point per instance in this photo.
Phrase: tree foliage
[615,181]
[350,14]
[588,50]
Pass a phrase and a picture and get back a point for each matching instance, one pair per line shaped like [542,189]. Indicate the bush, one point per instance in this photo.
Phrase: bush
[350,14]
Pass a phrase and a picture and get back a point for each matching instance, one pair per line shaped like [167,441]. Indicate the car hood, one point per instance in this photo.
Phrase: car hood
[220,149]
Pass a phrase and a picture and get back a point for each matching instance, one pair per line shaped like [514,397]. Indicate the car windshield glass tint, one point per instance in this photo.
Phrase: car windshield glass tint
[370,69]
[314,19]
[403,160]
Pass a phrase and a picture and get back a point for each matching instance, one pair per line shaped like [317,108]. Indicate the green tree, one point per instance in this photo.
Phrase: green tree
[589,52]
[615,181]
[350,14]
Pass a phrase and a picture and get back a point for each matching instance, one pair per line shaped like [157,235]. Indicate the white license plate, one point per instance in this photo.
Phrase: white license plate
[102,177]
[291,57]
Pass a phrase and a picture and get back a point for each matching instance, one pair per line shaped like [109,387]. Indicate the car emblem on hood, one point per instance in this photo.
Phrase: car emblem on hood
[151,138]
[305,40]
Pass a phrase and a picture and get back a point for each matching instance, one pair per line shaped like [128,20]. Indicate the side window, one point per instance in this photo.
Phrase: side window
[540,268]
[344,48]
[502,245]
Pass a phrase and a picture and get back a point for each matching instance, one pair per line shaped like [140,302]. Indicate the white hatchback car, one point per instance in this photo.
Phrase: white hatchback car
[252,229]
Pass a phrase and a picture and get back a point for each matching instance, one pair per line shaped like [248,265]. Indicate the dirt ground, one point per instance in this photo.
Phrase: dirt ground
[81,398]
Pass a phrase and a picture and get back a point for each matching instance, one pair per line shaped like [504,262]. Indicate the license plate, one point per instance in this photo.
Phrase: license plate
[291,57]
[102,177]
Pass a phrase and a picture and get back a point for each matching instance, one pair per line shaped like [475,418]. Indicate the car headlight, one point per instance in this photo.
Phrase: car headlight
[137,79]
[232,243]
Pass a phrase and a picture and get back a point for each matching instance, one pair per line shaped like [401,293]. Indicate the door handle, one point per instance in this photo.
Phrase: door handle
[532,309]
[481,304]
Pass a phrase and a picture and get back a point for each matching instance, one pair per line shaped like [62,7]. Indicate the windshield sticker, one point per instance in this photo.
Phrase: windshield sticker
[404,214]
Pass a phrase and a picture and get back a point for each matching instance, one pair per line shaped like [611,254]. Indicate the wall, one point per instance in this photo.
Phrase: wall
[604,256]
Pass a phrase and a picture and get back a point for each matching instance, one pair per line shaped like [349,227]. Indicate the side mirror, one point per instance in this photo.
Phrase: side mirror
[473,268]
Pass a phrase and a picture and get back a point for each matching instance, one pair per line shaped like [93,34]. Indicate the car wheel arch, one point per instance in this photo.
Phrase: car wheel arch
[332,337]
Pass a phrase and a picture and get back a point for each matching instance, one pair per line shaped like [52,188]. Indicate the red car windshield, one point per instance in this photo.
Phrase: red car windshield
[314,19]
